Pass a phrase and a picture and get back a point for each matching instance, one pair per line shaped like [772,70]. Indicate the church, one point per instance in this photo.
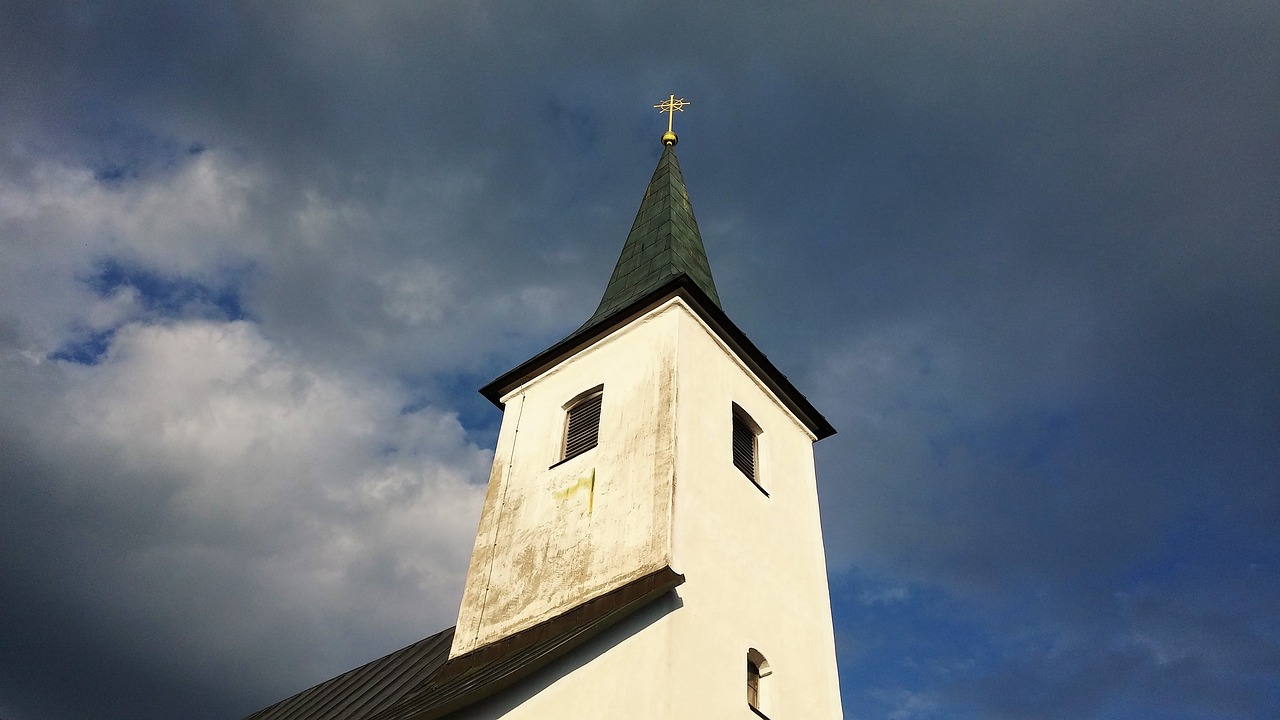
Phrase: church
[649,545]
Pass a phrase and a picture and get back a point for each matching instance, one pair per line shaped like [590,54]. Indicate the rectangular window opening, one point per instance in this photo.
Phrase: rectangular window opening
[582,431]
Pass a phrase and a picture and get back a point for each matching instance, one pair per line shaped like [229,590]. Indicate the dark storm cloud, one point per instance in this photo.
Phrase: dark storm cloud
[1023,255]
[1067,390]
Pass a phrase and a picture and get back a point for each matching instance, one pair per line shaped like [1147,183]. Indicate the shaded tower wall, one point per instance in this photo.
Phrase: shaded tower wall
[554,534]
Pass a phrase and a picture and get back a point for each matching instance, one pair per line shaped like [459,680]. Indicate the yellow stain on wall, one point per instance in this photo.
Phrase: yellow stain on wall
[585,482]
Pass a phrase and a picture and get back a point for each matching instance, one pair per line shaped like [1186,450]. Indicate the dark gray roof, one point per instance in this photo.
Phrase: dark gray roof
[664,242]
[368,689]
[419,682]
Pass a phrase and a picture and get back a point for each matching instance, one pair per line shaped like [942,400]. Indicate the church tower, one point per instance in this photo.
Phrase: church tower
[654,474]
[649,547]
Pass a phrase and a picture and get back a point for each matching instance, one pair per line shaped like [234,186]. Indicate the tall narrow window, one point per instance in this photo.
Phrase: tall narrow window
[745,445]
[757,671]
[582,428]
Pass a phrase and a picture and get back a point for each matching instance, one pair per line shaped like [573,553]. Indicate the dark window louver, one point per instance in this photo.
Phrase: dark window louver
[744,447]
[753,685]
[584,426]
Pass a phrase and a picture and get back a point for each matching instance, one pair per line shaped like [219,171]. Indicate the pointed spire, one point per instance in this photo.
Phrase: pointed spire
[663,244]
[662,258]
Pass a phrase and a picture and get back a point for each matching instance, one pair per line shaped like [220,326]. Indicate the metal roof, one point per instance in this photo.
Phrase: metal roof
[368,689]
[664,242]
[420,682]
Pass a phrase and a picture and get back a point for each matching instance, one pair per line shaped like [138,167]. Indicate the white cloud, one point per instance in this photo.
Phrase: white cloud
[348,279]
[884,595]
[58,222]
[906,705]
[242,503]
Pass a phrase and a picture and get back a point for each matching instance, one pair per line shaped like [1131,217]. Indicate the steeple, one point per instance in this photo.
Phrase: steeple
[650,544]
[663,257]
[664,243]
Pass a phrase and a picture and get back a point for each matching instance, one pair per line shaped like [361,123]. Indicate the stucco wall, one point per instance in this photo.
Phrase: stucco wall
[552,534]
[754,564]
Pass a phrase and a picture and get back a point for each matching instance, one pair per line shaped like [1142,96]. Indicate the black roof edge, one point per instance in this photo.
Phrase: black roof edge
[482,673]
[684,287]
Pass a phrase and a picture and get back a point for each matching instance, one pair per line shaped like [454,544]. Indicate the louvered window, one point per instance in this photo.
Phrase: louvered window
[758,684]
[744,444]
[582,431]
[753,684]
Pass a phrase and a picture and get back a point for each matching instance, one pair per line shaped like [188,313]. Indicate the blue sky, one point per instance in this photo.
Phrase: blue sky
[256,259]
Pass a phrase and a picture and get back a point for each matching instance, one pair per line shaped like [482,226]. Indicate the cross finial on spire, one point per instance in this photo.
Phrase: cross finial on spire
[670,106]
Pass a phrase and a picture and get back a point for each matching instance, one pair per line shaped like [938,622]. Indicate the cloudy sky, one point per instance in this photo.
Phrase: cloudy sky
[256,259]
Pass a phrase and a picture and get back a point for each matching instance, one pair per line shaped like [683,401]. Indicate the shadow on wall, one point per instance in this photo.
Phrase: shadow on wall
[516,695]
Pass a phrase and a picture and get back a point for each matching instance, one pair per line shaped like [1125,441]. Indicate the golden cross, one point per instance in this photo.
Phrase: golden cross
[670,106]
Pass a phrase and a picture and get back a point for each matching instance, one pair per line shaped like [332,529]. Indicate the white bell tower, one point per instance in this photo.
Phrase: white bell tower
[653,503]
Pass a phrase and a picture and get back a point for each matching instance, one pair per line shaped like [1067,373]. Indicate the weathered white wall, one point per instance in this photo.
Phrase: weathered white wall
[553,535]
[754,565]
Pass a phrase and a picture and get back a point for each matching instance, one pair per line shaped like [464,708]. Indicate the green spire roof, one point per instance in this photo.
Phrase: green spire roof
[664,243]
[663,257]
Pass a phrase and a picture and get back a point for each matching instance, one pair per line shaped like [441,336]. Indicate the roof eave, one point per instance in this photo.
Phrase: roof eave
[684,287]
[482,673]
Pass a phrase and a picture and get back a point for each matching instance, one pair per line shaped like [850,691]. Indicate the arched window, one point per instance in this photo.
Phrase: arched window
[582,422]
[757,685]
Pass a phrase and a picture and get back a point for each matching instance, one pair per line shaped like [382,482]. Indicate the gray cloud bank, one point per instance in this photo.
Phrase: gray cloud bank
[255,259]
